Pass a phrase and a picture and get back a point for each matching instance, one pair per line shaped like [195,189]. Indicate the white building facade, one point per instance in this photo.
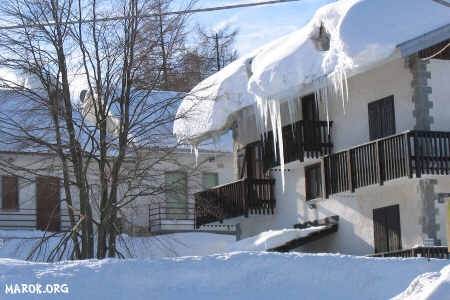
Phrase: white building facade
[380,161]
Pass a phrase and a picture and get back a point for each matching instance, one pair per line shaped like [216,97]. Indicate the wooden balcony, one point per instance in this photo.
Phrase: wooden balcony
[440,252]
[408,154]
[303,139]
[239,198]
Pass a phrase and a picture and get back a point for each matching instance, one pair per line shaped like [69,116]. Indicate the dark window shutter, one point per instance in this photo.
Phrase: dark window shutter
[381,118]
[10,192]
[374,121]
[379,228]
[393,227]
[388,116]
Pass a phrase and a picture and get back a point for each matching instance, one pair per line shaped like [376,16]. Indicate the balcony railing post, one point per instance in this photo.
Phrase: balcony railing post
[351,185]
[248,199]
[301,140]
[379,163]
[417,155]
[408,162]
[272,196]
[324,177]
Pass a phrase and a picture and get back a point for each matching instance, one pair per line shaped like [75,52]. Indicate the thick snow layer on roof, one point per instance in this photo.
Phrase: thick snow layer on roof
[244,275]
[362,34]
[271,239]
[206,110]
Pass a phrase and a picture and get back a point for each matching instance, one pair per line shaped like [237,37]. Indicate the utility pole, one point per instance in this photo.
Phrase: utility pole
[217,51]
[163,53]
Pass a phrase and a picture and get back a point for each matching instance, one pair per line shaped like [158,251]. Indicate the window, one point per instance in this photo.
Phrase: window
[210,180]
[386,228]
[381,118]
[313,184]
[10,192]
[176,195]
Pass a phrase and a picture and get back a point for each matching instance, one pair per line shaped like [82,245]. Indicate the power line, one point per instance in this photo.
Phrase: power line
[437,53]
[117,18]
[443,2]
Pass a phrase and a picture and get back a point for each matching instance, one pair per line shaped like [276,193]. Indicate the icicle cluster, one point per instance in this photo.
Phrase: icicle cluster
[268,112]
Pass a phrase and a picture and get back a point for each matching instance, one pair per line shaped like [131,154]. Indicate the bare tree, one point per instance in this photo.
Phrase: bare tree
[164,36]
[217,47]
[109,140]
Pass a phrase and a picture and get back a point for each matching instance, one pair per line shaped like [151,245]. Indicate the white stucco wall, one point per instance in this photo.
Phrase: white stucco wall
[440,93]
[351,127]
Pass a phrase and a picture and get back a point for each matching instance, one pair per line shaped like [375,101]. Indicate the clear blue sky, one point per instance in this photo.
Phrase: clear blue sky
[261,24]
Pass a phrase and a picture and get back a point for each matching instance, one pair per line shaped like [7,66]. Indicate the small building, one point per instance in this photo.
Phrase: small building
[35,200]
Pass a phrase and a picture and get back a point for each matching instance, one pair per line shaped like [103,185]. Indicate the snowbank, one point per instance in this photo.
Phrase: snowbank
[271,239]
[429,286]
[18,244]
[244,275]
[361,34]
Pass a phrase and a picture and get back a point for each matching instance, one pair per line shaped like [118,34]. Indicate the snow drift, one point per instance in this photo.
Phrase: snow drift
[243,275]
[429,286]
[18,244]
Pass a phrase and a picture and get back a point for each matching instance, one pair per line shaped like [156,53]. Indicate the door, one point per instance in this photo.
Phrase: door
[386,224]
[381,118]
[250,161]
[311,131]
[47,203]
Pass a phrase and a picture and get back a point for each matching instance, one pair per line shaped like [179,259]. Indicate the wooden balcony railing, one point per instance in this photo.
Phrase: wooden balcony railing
[239,198]
[421,251]
[406,154]
[310,139]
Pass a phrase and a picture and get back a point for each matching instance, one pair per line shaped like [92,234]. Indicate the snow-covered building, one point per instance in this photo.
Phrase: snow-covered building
[356,103]
[35,199]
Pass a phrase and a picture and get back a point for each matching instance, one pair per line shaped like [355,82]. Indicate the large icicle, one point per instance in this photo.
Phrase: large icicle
[269,112]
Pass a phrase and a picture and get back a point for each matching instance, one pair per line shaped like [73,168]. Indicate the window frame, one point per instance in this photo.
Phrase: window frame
[209,173]
[313,172]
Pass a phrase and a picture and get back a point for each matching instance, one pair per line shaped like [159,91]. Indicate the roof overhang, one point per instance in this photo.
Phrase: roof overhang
[424,41]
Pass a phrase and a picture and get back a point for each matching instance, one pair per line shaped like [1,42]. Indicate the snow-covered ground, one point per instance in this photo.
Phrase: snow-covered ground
[180,265]
[18,244]
[430,286]
[238,275]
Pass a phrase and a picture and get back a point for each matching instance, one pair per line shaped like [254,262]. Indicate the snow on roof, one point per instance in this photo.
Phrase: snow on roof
[362,34]
[272,239]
